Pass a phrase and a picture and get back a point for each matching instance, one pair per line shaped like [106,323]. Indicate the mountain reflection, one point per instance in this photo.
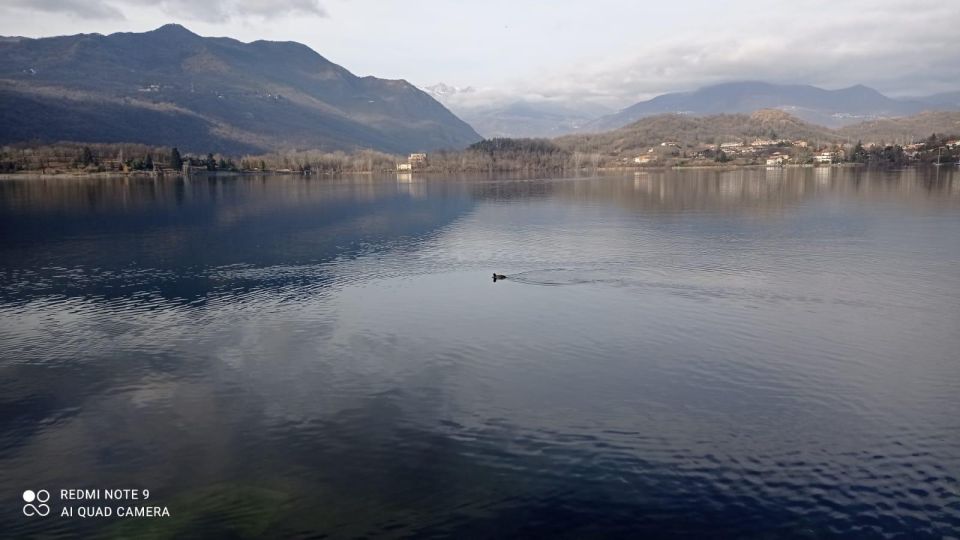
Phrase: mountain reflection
[91,236]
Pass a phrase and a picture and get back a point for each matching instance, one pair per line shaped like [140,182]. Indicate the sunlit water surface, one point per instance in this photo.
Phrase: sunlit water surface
[746,354]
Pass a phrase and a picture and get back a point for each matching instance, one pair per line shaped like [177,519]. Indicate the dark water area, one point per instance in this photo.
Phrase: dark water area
[751,354]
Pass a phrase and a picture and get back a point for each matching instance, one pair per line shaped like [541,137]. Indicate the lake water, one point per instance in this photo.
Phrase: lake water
[743,354]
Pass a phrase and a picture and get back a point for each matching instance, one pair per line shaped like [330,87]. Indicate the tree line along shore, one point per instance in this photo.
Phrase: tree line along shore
[488,155]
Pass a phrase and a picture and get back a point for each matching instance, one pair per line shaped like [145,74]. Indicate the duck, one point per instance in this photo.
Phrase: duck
[497,276]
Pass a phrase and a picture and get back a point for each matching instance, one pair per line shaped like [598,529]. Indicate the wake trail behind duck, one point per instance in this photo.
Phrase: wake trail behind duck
[562,276]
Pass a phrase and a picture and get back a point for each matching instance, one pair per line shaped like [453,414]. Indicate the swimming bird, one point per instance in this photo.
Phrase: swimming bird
[497,276]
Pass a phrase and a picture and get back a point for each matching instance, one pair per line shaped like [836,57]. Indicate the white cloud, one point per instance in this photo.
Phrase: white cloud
[223,10]
[209,11]
[85,9]
[899,48]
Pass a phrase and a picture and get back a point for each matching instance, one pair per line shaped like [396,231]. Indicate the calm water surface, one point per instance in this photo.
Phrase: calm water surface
[747,354]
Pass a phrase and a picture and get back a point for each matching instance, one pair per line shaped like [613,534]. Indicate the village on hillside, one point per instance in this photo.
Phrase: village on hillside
[781,153]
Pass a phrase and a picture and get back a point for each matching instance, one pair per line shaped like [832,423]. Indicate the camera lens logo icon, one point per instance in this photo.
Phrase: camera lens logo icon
[41,508]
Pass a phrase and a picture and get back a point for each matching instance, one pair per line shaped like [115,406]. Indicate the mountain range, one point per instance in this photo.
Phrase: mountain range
[527,118]
[503,115]
[506,116]
[689,129]
[172,87]
[775,124]
[832,108]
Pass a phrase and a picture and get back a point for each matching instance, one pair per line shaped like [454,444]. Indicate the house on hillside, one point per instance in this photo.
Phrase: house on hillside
[825,157]
[777,160]
[645,159]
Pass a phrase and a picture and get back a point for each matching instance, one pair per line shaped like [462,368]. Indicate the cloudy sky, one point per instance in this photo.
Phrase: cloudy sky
[612,52]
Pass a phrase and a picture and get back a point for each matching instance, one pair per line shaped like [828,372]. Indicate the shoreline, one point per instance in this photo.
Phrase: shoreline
[226,174]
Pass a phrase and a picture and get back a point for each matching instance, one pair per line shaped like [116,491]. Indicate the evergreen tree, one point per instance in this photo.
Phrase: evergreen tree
[86,156]
[176,161]
[859,154]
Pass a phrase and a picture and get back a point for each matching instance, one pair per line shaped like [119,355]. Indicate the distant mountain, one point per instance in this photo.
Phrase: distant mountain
[528,118]
[496,115]
[708,130]
[944,101]
[775,124]
[442,92]
[832,108]
[173,87]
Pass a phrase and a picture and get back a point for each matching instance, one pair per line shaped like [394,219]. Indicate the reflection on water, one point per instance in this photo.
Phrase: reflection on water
[760,354]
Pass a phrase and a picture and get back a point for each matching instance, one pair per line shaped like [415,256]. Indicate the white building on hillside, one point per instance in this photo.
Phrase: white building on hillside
[825,157]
